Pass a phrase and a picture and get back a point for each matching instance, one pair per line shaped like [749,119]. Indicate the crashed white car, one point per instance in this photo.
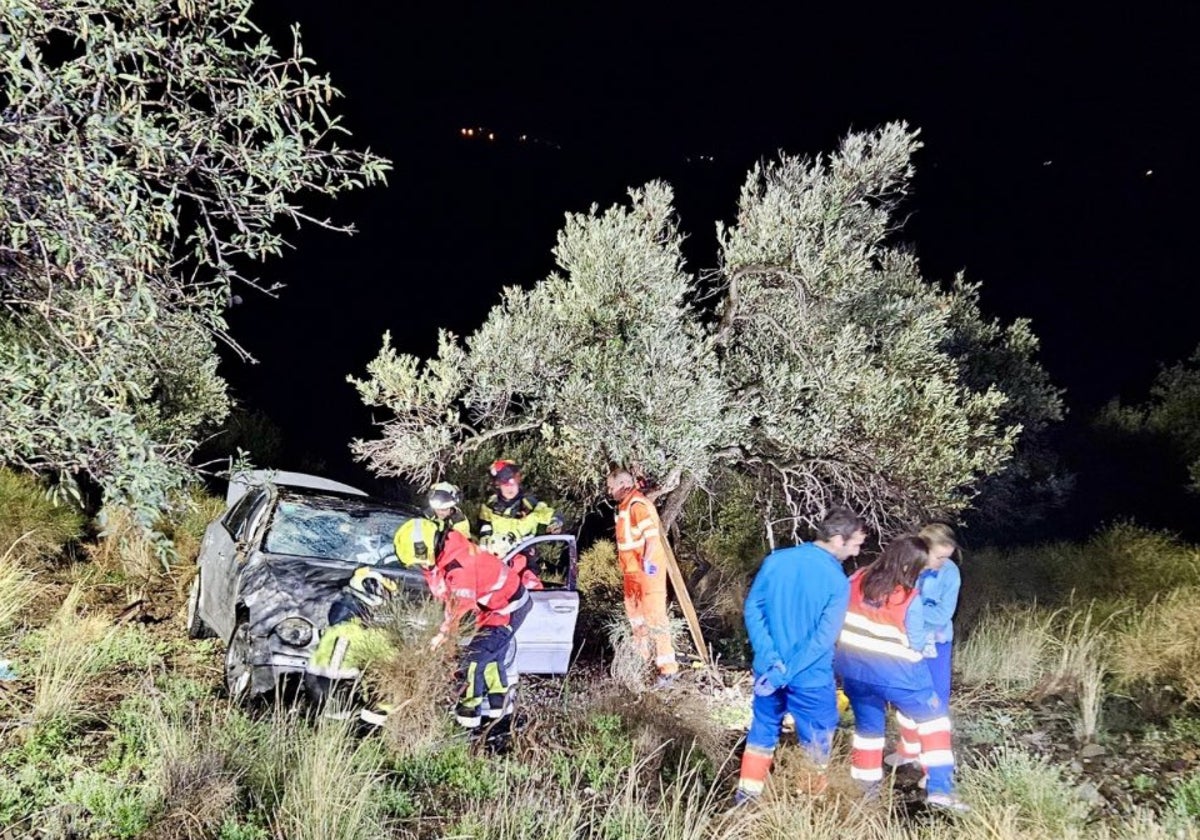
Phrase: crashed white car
[272,564]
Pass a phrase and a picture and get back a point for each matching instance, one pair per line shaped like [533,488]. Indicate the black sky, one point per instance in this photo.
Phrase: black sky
[1094,250]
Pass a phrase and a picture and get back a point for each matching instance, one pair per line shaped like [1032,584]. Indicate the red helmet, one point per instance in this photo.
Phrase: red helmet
[503,471]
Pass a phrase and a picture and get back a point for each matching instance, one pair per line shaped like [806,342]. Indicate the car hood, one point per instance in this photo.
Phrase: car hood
[274,587]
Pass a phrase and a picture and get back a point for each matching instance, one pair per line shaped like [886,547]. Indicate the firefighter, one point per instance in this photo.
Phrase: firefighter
[642,558]
[443,503]
[512,514]
[879,658]
[793,614]
[470,580]
[335,668]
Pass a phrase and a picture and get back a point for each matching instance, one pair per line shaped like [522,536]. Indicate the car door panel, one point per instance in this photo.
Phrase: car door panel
[547,636]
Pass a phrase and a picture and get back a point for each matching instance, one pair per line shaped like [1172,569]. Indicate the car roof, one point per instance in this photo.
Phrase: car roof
[243,481]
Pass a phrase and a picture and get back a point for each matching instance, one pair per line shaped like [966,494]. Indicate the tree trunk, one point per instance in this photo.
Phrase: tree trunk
[675,502]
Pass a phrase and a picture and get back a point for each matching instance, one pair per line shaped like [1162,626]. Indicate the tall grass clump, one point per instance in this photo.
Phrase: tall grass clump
[1160,645]
[1009,649]
[71,653]
[125,547]
[191,512]
[32,525]
[192,775]
[17,589]
[331,793]
[1080,667]
[1027,794]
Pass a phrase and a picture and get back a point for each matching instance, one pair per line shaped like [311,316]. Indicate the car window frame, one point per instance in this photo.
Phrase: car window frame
[242,512]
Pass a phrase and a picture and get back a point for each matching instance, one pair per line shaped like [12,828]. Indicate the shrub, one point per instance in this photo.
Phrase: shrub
[599,572]
[32,526]
[1125,560]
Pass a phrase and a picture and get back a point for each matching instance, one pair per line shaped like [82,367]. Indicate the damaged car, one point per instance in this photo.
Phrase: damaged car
[270,566]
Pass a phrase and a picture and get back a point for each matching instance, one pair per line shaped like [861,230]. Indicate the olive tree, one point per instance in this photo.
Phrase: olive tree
[150,152]
[818,363]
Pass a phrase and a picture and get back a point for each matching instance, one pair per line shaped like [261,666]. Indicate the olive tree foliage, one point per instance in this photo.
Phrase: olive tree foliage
[824,367]
[854,369]
[150,152]
[605,361]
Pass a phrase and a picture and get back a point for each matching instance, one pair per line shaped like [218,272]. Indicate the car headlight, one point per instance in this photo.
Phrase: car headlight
[294,631]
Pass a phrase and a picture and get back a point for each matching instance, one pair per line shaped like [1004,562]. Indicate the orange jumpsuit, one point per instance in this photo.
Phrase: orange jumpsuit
[642,556]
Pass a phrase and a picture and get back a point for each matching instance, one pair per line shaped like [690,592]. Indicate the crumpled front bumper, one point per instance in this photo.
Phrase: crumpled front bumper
[273,664]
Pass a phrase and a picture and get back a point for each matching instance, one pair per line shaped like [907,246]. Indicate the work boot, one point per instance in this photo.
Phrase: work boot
[947,802]
[467,716]
[742,799]
[376,715]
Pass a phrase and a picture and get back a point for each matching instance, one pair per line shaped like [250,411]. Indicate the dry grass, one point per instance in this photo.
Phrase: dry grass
[1009,649]
[32,526]
[17,588]
[192,775]
[418,682]
[125,548]
[1161,645]
[330,794]
[185,524]
[70,655]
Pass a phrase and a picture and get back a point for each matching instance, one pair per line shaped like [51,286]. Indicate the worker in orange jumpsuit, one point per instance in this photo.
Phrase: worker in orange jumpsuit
[642,556]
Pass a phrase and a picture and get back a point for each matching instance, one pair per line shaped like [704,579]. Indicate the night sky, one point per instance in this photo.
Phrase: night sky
[1057,168]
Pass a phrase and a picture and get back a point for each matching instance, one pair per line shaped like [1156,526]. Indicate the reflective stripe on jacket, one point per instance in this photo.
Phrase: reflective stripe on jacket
[639,535]
[522,516]
[470,579]
[876,645]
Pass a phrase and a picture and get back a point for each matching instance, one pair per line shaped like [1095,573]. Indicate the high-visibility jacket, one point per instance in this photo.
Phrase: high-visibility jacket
[456,520]
[517,518]
[349,642]
[639,537]
[469,579]
[879,643]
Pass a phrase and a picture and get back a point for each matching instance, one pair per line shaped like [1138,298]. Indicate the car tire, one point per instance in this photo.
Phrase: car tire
[196,628]
[238,673]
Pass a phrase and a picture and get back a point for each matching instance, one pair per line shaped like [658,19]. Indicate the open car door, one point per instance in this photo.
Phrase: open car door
[547,636]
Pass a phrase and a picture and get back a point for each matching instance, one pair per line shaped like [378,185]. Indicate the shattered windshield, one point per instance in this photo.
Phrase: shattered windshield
[333,531]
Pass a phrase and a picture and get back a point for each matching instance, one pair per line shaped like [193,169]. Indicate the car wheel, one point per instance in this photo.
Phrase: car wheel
[238,673]
[196,628]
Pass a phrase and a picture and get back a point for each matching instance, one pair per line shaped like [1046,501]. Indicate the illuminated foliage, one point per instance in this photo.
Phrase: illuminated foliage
[823,367]
[149,151]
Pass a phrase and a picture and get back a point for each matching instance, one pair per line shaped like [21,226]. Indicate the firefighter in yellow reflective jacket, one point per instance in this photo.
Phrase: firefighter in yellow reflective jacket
[335,668]
[444,502]
[512,514]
